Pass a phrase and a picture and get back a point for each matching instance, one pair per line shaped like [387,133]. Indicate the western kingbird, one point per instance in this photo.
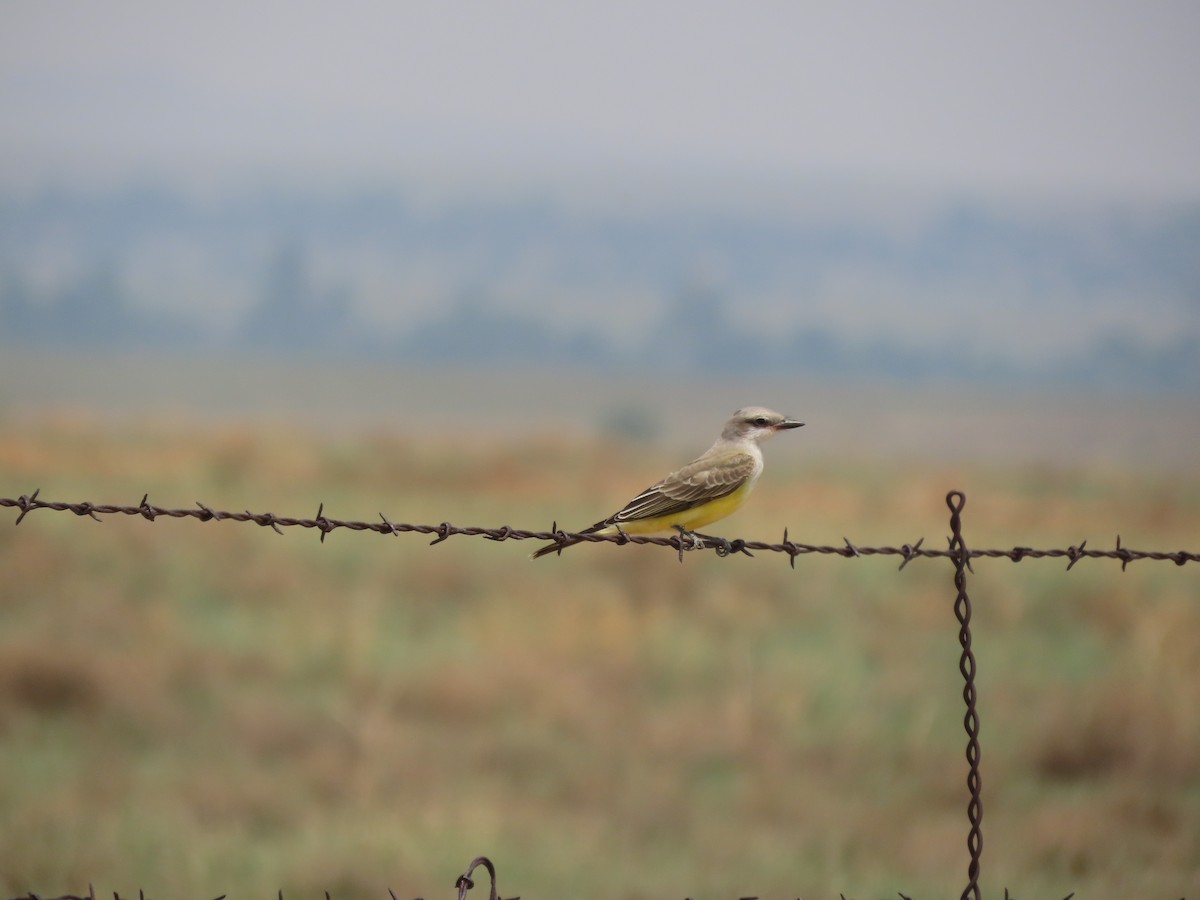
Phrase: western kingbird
[703,491]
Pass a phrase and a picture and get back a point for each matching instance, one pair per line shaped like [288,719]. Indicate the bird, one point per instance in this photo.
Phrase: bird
[708,488]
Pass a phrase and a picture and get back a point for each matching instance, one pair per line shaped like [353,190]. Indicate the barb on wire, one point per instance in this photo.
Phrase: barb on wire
[326,525]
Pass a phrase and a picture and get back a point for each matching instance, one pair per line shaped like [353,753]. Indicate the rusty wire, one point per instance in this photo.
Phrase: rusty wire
[956,500]
[957,552]
[462,884]
[325,525]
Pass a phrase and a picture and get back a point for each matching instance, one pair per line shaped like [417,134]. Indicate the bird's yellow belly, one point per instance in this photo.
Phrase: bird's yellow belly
[691,519]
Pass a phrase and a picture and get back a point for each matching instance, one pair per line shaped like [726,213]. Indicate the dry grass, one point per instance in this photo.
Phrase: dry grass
[203,708]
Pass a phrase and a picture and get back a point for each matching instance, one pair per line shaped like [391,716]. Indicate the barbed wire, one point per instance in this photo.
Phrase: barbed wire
[957,551]
[681,543]
[956,500]
[462,884]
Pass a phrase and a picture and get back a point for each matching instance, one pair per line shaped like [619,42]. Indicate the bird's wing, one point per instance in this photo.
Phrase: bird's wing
[698,482]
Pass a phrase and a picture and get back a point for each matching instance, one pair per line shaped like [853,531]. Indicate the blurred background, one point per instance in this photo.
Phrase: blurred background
[506,262]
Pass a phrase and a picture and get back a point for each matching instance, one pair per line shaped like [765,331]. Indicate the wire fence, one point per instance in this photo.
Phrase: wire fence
[463,883]
[957,552]
[325,525]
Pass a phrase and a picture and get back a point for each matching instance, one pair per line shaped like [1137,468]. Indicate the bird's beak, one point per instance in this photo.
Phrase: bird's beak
[788,423]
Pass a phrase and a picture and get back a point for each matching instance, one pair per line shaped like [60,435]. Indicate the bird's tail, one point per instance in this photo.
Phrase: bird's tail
[553,548]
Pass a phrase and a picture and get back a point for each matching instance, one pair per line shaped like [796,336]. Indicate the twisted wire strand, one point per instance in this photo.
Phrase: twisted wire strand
[325,525]
[961,555]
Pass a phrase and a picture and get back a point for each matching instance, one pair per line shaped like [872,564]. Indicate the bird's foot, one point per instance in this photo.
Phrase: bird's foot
[723,546]
[697,539]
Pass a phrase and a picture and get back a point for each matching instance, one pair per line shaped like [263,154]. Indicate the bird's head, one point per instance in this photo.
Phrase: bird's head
[756,423]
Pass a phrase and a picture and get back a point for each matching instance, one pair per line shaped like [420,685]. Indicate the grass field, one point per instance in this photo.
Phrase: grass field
[201,709]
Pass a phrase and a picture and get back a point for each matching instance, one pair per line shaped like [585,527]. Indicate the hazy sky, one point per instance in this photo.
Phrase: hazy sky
[1088,96]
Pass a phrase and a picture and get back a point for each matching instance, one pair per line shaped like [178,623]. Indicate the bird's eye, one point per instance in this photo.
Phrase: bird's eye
[761,421]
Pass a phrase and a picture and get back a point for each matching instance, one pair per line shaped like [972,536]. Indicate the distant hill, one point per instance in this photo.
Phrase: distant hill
[1099,295]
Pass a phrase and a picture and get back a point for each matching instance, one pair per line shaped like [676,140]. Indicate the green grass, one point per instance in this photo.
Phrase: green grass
[200,709]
